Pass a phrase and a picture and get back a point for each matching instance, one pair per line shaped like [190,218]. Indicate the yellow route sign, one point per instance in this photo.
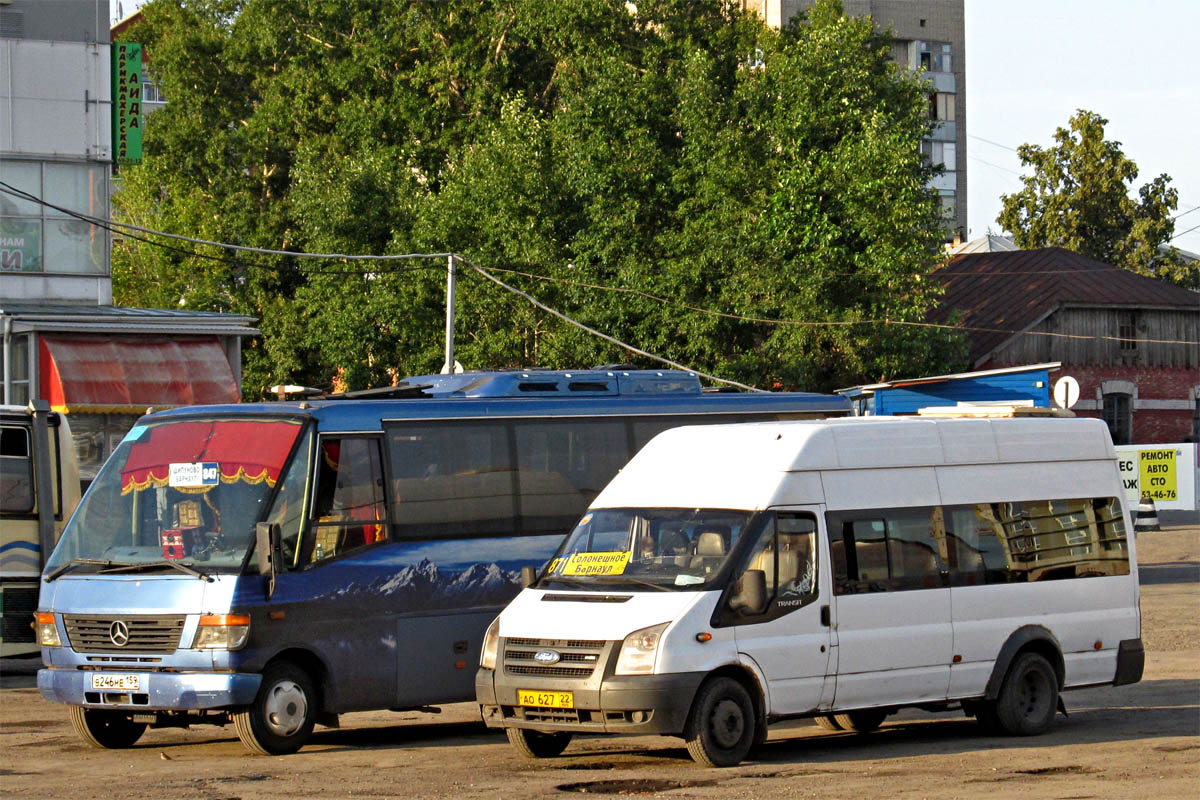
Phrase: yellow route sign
[595,563]
[1158,474]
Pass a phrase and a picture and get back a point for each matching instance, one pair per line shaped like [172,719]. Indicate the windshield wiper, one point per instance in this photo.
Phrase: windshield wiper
[124,566]
[613,580]
[166,562]
[76,562]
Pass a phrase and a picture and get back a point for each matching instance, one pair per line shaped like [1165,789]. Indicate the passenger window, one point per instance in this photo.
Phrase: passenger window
[452,479]
[786,555]
[1036,540]
[16,471]
[562,466]
[348,510]
[885,550]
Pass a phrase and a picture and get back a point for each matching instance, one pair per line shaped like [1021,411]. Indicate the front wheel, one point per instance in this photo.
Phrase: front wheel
[1028,697]
[721,727]
[103,728]
[534,744]
[281,718]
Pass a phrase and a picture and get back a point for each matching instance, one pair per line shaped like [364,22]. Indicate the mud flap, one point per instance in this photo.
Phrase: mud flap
[1062,707]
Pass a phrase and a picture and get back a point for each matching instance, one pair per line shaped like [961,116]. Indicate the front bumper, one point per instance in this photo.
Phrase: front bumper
[657,704]
[159,691]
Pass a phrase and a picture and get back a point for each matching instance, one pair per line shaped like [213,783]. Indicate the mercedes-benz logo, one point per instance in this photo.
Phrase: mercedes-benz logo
[118,632]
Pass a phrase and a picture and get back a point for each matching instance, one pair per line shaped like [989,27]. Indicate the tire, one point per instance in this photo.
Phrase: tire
[828,722]
[721,726]
[281,718]
[863,721]
[535,744]
[1028,697]
[110,730]
[984,712]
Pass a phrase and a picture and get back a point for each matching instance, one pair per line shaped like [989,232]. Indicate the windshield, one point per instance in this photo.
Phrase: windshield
[652,548]
[178,493]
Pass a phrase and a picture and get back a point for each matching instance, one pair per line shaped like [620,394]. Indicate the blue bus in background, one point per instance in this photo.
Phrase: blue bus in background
[275,565]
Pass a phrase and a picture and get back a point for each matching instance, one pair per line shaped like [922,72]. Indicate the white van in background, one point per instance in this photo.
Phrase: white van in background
[39,488]
[734,576]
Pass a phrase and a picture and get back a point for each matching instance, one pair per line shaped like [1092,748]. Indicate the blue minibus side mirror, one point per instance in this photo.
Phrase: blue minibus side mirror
[266,550]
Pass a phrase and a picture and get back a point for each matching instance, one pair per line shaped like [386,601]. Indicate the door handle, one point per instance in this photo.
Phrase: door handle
[825,618]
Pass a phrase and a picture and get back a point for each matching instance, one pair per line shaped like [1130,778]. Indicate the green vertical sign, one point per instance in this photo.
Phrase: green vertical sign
[127,102]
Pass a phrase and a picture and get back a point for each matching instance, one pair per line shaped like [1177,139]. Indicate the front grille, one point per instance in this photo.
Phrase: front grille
[577,658]
[147,634]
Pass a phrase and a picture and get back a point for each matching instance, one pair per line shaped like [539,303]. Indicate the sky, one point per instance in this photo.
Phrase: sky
[1032,63]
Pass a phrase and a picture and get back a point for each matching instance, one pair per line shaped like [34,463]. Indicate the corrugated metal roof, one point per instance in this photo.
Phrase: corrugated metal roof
[1007,292]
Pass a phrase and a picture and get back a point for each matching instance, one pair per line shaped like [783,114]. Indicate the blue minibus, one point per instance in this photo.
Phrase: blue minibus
[275,565]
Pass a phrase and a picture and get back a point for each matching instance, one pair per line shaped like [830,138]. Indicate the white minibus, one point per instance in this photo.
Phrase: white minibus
[733,576]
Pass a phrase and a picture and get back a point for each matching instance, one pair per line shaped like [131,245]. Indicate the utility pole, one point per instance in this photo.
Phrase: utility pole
[448,364]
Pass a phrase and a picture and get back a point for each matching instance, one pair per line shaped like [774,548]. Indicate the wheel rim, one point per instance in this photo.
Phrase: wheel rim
[1033,695]
[728,723]
[285,708]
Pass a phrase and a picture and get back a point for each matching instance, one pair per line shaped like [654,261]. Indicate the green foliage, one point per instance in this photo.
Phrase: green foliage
[1078,197]
[678,150]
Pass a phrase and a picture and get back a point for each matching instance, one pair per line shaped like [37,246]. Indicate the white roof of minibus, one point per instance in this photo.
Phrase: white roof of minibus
[742,465]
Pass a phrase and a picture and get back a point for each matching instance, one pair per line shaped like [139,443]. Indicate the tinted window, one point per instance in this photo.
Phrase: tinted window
[884,550]
[1036,540]
[452,479]
[562,466]
[16,471]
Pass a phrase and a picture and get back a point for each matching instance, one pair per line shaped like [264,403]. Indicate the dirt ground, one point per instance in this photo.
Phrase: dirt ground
[1132,741]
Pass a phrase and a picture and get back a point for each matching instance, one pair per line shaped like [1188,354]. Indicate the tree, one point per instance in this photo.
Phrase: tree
[1078,197]
[679,153]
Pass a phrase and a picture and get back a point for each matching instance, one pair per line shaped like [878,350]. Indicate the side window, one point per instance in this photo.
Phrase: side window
[289,502]
[16,471]
[562,465]
[348,511]
[1036,540]
[885,550]
[786,553]
[452,480]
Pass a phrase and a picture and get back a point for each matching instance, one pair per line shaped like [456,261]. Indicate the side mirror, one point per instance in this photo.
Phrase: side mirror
[750,595]
[266,550]
[528,577]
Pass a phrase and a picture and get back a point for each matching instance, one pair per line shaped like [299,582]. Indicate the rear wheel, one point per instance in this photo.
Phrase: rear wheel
[863,721]
[1028,697]
[721,727]
[827,722]
[100,727]
[535,744]
[281,718]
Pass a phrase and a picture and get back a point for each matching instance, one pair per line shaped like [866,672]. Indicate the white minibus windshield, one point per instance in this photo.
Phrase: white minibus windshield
[666,549]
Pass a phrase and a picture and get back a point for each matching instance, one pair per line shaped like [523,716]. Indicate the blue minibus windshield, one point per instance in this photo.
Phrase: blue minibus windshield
[178,493]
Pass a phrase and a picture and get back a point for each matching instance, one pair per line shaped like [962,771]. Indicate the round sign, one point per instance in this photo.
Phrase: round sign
[1066,391]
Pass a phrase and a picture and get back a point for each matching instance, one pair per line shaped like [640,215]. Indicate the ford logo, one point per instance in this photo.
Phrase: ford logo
[546,657]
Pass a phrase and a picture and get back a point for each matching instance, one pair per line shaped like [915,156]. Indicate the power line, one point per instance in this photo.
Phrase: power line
[994,144]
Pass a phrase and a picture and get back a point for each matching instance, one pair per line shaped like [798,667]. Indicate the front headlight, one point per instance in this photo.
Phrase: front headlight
[491,643]
[639,649]
[47,631]
[222,632]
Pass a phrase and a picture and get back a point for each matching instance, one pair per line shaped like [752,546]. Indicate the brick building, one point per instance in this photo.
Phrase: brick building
[1132,342]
